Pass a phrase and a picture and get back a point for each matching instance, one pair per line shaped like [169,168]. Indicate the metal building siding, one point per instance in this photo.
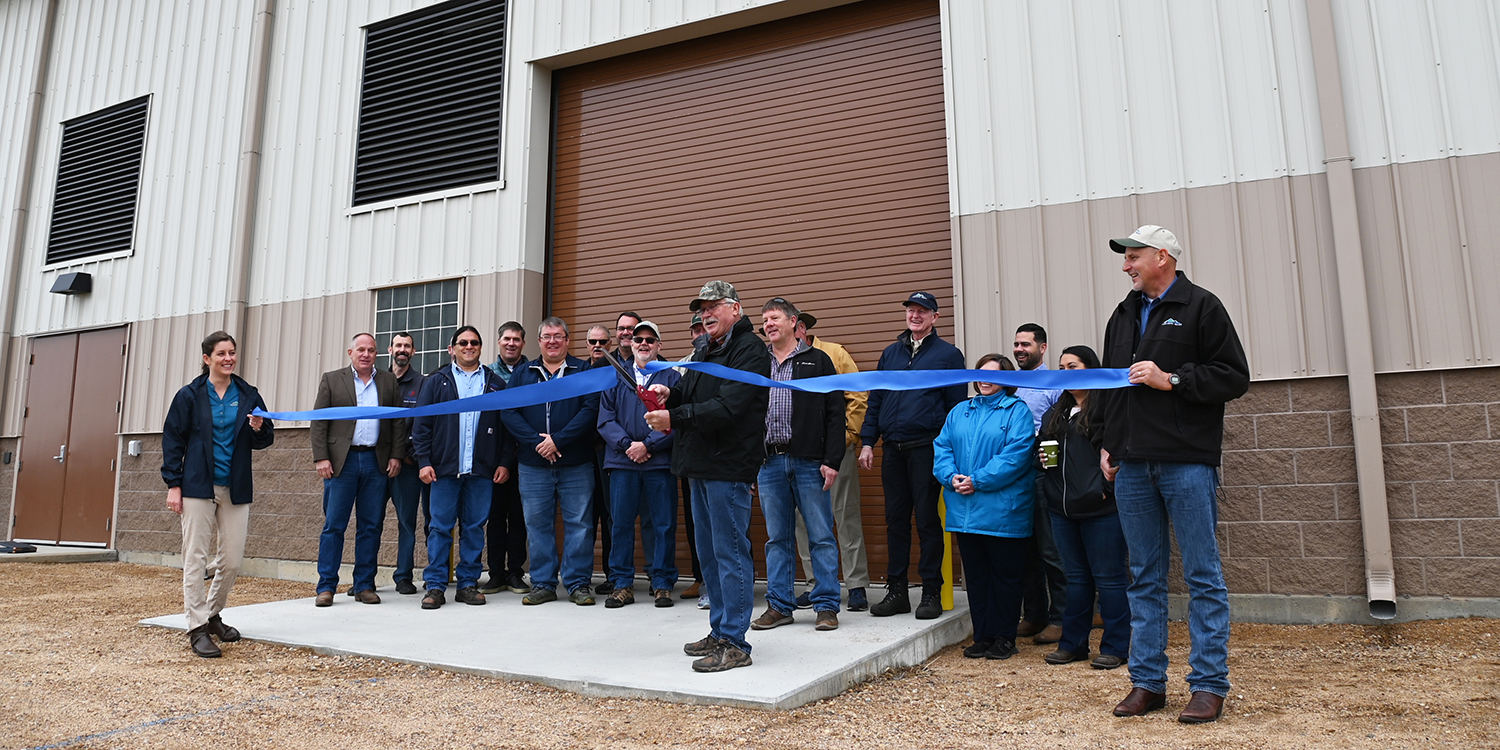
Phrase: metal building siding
[1066,101]
[556,26]
[20,38]
[191,59]
[163,355]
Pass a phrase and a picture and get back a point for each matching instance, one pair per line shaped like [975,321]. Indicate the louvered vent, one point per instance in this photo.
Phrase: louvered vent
[429,111]
[98,181]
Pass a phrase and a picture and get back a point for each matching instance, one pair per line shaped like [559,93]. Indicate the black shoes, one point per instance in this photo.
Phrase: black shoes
[517,584]
[203,644]
[896,602]
[405,588]
[434,599]
[225,633]
[931,607]
[469,595]
[605,588]
[1001,649]
[978,649]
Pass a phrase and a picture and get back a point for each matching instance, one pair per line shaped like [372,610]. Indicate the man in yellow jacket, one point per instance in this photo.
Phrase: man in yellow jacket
[845,490]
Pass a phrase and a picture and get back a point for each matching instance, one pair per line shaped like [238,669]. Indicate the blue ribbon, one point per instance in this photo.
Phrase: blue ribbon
[604,378]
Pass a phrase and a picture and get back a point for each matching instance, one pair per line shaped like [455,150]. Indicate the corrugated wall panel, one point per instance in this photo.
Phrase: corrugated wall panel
[191,59]
[558,26]
[1071,100]
[292,343]
[164,354]
[1479,181]
[20,41]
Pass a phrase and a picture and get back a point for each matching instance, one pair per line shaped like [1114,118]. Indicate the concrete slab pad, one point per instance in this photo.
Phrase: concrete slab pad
[634,651]
[51,554]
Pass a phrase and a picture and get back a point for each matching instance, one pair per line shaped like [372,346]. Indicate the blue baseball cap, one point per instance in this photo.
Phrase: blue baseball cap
[922,298]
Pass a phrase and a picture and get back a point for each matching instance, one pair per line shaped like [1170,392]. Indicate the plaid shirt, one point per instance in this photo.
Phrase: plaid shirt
[779,411]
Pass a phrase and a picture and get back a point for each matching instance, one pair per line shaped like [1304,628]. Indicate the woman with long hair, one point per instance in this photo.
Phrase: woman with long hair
[205,444]
[983,459]
[1085,525]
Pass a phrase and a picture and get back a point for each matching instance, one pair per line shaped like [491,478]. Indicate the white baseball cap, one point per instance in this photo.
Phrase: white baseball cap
[1149,235]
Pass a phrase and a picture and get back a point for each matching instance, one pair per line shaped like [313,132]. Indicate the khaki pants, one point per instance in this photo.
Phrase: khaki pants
[211,525]
[848,523]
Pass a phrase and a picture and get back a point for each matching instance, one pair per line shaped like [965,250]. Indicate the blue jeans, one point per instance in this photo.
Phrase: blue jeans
[721,512]
[651,495]
[463,501]
[406,495]
[360,487]
[546,491]
[1093,555]
[790,484]
[1153,497]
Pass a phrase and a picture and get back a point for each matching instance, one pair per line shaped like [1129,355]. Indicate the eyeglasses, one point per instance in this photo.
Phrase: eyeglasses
[625,329]
[599,342]
[465,343]
[644,340]
[554,337]
[711,306]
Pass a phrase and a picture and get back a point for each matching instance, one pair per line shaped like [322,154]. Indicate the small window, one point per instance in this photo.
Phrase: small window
[98,182]
[429,312]
[430,101]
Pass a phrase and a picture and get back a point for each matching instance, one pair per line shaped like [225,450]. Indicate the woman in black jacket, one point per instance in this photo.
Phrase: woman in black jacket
[205,444]
[1085,524]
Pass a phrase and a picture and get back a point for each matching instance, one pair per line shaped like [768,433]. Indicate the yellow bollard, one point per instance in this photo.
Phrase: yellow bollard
[947,555]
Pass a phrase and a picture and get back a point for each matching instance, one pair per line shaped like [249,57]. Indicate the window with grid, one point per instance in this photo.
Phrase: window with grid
[430,101]
[429,312]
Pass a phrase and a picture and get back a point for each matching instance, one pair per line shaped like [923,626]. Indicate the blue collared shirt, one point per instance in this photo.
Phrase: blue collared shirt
[1038,400]
[225,412]
[1147,305]
[366,431]
[469,384]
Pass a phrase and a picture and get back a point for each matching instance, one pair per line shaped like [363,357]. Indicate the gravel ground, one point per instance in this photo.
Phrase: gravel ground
[82,673]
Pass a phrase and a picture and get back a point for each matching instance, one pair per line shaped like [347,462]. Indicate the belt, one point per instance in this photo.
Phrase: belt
[778,449]
[361,448]
[909,444]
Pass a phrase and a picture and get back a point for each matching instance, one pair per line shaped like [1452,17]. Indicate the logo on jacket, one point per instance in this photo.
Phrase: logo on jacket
[1170,322]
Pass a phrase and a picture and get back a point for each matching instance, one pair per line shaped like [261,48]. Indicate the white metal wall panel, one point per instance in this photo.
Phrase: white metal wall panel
[1063,101]
[1421,78]
[192,59]
[20,39]
[557,26]
[164,354]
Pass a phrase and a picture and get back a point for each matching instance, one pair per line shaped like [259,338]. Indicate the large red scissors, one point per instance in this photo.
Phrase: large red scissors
[647,396]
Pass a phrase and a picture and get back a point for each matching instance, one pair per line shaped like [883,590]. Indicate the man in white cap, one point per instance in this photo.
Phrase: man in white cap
[1161,447]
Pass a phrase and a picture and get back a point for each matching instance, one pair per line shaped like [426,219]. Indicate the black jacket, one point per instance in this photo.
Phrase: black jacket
[1075,488]
[902,416]
[722,423]
[187,442]
[435,439]
[572,422]
[1189,333]
[817,418]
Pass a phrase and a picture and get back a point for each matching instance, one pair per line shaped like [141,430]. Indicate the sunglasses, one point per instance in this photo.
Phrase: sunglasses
[466,343]
[644,340]
[599,342]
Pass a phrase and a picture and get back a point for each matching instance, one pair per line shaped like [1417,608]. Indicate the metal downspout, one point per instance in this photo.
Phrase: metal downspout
[247,184]
[1380,575]
[20,212]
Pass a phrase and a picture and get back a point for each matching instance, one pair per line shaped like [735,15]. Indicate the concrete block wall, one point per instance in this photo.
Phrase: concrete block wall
[1289,510]
[285,520]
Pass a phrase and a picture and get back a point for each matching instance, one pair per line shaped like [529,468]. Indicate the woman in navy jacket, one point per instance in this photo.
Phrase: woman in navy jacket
[205,444]
[983,459]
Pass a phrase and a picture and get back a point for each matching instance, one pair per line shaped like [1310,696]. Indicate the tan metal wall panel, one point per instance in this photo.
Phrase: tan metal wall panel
[1479,194]
[804,158]
[1443,323]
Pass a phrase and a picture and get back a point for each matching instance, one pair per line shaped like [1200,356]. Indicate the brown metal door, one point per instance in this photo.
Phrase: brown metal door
[44,438]
[65,487]
[804,157]
[89,485]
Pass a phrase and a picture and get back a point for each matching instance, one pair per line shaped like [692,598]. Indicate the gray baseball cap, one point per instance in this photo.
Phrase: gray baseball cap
[714,291]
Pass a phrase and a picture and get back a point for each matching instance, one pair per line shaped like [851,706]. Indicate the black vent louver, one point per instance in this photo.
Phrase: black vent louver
[98,182]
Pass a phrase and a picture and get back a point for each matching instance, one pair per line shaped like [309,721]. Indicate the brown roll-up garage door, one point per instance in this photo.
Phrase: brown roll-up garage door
[804,158]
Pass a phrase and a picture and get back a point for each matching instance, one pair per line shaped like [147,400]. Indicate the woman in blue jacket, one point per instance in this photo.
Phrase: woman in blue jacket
[983,458]
[1085,525]
[205,445]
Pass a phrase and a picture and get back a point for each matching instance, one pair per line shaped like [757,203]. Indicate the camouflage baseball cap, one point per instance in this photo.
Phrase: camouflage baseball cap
[696,321]
[714,291]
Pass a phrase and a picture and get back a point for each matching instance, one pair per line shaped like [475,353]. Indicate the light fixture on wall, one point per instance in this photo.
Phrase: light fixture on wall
[73,283]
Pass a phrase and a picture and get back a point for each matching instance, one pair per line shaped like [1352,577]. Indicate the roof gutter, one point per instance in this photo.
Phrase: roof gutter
[1380,574]
[20,212]
[247,183]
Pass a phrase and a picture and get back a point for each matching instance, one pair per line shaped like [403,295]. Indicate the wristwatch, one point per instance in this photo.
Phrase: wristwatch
[1174,379]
